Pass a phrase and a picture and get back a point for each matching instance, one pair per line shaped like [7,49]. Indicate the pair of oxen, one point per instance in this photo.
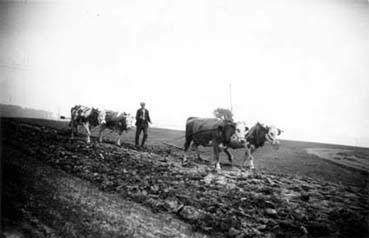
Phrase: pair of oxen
[220,134]
[223,134]
[106,119]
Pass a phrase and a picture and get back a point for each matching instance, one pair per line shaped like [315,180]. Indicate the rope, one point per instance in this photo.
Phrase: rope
[168,144]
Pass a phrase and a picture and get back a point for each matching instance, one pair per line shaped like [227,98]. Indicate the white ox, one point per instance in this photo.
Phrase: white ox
[118,122]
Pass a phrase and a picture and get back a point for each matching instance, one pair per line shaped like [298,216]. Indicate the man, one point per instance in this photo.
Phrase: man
[142,124]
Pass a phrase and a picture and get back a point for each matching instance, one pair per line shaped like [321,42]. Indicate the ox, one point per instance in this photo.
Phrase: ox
[220,134]
[92,117]
[115,121]
[256,138]
[85,116]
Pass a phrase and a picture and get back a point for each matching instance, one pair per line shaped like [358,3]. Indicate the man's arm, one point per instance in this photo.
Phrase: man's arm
[137,114]
[148,116]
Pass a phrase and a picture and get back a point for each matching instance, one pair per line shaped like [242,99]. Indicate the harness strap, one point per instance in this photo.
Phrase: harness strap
[207,130]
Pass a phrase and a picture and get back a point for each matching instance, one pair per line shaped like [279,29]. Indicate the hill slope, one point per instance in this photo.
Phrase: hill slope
[230,203]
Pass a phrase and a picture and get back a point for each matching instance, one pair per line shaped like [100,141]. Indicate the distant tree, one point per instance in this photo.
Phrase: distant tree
[224,114]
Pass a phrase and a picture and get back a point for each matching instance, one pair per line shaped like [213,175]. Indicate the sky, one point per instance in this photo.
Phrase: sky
[302,65]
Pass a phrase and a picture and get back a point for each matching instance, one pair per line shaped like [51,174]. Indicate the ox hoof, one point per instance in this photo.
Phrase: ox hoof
[248,168]
[251,171]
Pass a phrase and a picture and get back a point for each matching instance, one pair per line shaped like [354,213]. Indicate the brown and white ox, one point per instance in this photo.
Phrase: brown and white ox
[85,116]
[117,122]
[92,117]
[256,137]
[222,135]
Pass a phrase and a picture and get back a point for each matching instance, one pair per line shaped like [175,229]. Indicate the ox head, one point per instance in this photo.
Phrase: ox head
[272,133]
[125,120]
[240,132]
[129,120]
[101,117]
[259,134]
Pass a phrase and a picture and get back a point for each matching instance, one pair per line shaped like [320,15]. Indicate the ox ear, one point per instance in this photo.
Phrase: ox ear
[280,131]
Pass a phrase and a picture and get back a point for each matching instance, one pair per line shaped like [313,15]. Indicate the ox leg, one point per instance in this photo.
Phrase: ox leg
[252,162]
[216,155]
[249,158]
[230,156]
[119,135]
[246,157]
[102,128]
[87,127]
[195,147]
[72,128]
[186,147]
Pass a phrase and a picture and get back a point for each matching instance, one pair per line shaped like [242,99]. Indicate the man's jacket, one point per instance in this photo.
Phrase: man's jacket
[142,117]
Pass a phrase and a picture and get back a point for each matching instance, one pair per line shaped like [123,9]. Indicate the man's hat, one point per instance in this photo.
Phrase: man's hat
[142,103]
